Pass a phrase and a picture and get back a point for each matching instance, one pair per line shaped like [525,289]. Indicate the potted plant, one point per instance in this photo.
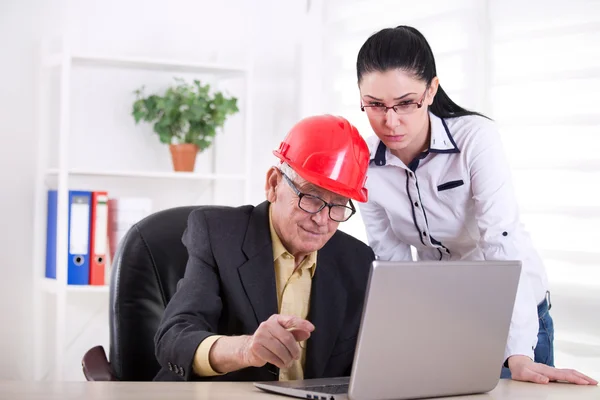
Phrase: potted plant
[186,117]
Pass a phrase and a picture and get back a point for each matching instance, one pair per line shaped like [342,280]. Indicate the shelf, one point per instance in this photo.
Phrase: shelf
[151,174]
[59,72]
[148,64]
[51,286]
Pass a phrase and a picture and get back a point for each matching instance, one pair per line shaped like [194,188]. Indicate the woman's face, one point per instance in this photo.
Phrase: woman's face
[405,130]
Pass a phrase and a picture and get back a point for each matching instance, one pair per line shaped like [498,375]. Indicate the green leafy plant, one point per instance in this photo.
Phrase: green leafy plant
[185,113]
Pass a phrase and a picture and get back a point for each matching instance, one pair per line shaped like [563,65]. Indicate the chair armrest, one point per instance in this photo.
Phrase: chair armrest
[96,366]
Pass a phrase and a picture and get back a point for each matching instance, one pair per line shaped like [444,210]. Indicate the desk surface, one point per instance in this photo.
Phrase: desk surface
[16,390]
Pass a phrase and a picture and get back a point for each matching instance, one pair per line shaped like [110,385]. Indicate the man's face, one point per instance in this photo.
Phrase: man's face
[300,232]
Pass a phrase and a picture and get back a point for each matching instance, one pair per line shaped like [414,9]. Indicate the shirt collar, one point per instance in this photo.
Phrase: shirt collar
[441,141]
[279,250]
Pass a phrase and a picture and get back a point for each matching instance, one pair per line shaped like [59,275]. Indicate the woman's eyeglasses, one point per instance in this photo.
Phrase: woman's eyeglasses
[404,107]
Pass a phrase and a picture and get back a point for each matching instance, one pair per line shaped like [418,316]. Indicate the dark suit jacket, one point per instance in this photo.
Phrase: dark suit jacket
[229,289]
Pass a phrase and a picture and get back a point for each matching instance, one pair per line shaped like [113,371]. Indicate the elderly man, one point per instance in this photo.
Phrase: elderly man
[275,291]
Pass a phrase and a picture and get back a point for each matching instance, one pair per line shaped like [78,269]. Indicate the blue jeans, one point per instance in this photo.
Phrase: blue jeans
[544,350]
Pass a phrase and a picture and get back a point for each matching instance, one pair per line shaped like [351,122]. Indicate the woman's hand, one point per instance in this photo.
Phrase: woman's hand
[523,368]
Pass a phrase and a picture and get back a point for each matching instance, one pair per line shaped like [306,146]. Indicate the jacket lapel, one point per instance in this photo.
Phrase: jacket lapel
[327,310]
[258,272]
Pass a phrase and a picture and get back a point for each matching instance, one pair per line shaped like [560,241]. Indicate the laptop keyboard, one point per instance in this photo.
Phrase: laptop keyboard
[329,389]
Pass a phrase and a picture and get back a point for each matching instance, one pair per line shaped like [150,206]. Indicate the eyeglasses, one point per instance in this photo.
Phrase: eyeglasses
[402,108]
[313,204]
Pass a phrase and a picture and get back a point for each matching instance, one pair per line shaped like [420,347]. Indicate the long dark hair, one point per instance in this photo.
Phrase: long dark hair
[405,48]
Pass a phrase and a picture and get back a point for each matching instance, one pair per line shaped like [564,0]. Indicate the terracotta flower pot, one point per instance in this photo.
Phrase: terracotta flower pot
[183,156]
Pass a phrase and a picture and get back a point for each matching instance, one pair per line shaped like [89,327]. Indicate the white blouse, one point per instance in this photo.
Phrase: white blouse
[455,202]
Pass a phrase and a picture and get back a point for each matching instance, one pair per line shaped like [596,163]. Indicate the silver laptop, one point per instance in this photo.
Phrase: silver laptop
[428,329]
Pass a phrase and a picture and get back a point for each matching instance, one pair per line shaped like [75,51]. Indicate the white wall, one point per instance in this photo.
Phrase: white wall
[263,32]
[21,26]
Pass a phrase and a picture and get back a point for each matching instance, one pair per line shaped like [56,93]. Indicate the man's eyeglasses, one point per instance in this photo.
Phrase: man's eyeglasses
[404,107]
[313,204]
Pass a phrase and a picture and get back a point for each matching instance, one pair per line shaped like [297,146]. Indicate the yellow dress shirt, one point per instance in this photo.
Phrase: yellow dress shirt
[293,298]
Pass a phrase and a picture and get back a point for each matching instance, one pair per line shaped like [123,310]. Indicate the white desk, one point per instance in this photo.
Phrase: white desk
[16,390]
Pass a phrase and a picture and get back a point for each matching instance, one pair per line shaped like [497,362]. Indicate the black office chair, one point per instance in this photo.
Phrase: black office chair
[149,262]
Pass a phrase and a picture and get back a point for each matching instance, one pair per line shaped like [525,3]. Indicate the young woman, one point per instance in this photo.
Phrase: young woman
[439,181]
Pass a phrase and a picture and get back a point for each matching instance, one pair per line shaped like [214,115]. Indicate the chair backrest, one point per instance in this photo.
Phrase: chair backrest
[149,262]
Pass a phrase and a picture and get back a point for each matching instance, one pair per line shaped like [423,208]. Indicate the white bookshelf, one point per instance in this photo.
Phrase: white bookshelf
[51,286]
[150,175]
[78,59]
[62,175]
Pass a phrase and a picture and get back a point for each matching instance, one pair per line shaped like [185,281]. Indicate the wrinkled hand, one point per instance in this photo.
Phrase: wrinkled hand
[523,368]
[276,341]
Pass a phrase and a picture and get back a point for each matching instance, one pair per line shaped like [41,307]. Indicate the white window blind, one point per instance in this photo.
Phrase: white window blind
[534,67]
[545,82]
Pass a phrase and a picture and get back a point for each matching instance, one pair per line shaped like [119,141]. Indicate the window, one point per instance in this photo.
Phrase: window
[534,67]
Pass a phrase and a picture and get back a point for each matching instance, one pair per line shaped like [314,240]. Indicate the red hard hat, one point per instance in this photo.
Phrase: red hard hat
[328,152]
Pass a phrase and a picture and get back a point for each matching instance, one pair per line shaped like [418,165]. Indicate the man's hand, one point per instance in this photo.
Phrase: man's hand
[276,341]
[523,368]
